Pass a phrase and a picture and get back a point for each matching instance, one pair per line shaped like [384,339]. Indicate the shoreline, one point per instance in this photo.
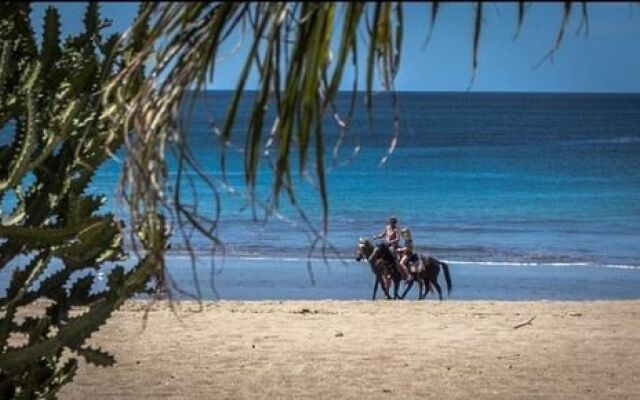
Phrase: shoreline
[363,349]
[431,301]
[346,259]
[241,279]
[319,261]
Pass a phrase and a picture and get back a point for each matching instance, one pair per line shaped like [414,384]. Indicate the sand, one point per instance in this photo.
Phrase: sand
[367,350]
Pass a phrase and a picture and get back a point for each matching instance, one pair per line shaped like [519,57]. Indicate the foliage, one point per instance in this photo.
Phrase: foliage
[54,240]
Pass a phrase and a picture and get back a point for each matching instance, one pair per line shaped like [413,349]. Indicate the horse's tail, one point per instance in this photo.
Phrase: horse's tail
[447,276]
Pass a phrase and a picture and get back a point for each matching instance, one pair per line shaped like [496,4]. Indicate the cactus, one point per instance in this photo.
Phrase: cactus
[50,109]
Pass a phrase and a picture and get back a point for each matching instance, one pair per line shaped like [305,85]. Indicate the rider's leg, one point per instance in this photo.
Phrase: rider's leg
[398,255]
[403,267]
[386,282]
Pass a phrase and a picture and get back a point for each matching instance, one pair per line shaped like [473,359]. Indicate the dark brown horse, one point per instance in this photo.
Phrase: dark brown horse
[382,264]
[427,277]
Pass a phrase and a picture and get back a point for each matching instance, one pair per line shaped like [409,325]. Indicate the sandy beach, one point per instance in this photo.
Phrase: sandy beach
[362,349]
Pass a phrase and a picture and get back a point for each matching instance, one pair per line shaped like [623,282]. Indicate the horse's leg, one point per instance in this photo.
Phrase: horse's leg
[438,288]
[375,288]
[396,287]
[425,278]
[423,283]
[385,287]
[426,291]
[409,286]
[428,286]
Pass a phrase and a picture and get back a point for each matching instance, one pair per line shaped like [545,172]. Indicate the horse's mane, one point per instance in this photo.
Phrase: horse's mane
[382,248]
[385,252]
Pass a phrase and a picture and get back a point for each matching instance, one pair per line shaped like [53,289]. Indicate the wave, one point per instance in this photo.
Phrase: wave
[544,264]
[316,260]
[251,258]
[615,140]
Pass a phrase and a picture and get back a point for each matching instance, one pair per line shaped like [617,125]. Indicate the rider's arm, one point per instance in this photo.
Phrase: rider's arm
[381,235]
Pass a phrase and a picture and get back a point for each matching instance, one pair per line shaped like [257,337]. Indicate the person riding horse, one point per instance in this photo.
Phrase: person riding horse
[406,252]
[384,267]
[390,235]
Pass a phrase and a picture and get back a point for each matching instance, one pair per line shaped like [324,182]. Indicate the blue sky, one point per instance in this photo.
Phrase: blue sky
[607,60]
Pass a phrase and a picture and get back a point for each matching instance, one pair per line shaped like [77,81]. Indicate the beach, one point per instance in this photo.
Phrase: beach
[364,349]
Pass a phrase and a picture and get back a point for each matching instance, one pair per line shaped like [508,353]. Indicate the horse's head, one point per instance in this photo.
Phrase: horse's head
[364,249]
[382,249]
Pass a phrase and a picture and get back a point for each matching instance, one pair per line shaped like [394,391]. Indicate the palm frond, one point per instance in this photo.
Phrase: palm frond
[291,50]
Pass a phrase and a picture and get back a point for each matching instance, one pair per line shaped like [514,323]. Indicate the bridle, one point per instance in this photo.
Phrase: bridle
[364,247]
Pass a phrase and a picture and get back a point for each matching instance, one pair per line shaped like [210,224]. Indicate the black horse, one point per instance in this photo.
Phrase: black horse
[427,277]
[383,266]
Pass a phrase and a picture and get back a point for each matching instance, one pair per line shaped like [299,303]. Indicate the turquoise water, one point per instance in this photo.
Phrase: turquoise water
[521,178]
[524,195]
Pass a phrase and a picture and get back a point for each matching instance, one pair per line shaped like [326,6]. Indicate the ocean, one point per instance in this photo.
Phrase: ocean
[526,196]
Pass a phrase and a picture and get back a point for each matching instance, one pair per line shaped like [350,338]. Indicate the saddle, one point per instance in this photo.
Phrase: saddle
[415,264]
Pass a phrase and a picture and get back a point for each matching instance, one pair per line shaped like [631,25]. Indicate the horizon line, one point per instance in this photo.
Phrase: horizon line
[460,92]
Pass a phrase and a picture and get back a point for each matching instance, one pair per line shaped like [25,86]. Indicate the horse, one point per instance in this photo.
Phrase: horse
[427,277]
[382,263]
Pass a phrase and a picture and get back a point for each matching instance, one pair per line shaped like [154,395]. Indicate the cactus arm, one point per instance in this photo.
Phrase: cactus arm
[21,164]
[68,117]
[24,279]
[4,63]
[96,356]
[79,328]
[50,236]
[60,378]
[91,20]
[18,287]
[50,39]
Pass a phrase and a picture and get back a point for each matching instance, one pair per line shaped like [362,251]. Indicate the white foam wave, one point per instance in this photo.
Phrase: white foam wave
[615,140]
[450,262]
[175,256]
[543,264]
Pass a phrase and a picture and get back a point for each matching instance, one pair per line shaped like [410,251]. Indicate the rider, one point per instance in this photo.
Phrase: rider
[406,251]
[390,234]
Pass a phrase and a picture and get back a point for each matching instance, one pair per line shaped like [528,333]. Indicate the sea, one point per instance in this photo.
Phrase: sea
[526,196]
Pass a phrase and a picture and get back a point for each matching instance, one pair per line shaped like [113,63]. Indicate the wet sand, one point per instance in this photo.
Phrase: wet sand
[287,279]
[362,349]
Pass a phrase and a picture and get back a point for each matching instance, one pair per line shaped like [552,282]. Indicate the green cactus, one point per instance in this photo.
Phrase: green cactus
[50,108]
